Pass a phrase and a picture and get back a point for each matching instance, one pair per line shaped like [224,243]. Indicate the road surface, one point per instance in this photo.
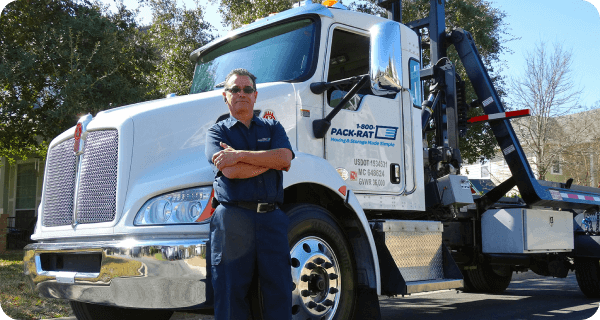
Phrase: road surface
[529,296]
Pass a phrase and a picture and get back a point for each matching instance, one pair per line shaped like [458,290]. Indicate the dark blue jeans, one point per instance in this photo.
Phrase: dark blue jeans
[244,242]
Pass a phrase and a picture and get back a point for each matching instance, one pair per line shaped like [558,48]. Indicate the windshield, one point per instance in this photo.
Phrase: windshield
[281,53]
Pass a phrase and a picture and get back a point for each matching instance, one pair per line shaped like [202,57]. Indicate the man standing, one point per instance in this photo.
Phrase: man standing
[248,231]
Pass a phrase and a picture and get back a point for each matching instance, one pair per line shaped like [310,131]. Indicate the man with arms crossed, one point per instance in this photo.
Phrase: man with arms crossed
[248,231]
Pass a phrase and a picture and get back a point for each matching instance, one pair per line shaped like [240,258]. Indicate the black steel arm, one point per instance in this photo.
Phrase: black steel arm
[320,87]
[321,126]
[532,192]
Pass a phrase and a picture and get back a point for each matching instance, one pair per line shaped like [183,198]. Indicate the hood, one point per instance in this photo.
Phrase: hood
[161,149]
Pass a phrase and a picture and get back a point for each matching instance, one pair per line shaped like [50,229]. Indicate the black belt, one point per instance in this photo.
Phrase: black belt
[257,207]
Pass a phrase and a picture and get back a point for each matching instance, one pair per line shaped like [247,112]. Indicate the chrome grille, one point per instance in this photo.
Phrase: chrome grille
[97,191]
[60,185]
[96,199]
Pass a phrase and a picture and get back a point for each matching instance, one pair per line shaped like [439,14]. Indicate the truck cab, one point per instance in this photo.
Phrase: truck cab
[372,141]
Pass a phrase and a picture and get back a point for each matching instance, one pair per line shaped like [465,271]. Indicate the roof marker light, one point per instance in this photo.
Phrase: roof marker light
[329,3]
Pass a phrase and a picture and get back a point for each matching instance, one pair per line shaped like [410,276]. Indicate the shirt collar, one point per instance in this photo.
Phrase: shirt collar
[229,122]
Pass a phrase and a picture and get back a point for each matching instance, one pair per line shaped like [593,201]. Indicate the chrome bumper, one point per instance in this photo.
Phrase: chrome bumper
[161,274]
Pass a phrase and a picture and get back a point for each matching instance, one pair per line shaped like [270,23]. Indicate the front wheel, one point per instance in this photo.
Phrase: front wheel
[88,311]
[323,268]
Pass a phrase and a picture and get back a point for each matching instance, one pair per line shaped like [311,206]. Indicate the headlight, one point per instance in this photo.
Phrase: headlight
[184,206]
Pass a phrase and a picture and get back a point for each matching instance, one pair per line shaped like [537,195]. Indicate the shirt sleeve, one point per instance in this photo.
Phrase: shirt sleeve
[214,137]
[280,138]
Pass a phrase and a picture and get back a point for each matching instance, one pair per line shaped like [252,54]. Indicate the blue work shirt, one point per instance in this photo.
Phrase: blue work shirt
[263,134]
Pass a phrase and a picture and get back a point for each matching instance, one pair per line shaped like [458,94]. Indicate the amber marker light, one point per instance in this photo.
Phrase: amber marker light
[208,210]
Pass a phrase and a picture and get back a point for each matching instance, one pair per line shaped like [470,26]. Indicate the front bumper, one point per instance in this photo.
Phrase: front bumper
[161,274]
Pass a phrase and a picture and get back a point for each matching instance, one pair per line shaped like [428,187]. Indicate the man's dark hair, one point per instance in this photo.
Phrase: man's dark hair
[242,72]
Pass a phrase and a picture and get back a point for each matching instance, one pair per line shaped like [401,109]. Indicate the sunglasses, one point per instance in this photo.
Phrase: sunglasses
[247,90]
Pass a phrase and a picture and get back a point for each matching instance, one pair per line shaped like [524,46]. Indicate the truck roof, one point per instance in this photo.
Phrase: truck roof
[352,18]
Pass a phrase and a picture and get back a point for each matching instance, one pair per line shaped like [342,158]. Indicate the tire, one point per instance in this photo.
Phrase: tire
[320,290]
[487,279]
[587,272]
[88,311]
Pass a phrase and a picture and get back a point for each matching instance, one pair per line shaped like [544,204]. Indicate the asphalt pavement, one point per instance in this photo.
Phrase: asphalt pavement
[529,296]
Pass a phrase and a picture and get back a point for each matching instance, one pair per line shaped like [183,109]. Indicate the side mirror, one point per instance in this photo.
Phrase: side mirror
[385,70]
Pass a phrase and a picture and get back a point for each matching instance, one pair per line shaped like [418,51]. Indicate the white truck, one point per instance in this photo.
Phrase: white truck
[375,209]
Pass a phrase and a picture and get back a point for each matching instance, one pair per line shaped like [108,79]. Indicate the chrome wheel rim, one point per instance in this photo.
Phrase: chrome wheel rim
[317,279]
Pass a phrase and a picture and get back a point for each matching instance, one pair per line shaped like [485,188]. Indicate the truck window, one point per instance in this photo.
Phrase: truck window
[338,95]
[349,57]
[415,82]
[283,52]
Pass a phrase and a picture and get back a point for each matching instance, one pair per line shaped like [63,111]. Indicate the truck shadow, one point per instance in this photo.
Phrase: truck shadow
[528,297]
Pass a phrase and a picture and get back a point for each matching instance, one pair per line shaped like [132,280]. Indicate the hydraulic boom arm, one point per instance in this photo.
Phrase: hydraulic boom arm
[522,175]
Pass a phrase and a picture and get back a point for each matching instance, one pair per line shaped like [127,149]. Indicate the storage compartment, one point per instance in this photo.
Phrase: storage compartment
[523,230]
[455,189]
[412,257]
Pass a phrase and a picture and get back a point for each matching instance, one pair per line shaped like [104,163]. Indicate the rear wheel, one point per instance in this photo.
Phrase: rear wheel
[487,279]
[587,272]
[88,311]
[323,267]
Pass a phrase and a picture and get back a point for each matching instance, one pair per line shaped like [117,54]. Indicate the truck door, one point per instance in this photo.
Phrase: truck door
[364,142]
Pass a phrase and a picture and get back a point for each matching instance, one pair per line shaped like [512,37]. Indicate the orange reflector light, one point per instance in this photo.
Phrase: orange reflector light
[329,3]
[342,190]
[208,210]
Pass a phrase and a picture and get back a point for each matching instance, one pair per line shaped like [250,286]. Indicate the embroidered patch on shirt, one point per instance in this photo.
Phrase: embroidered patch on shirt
[264,140]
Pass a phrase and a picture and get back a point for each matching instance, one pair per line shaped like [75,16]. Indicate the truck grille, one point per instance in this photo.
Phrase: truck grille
[60,185]
[96,201]
[96,198]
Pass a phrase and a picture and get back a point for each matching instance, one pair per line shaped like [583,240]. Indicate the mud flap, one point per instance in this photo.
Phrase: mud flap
[367,304]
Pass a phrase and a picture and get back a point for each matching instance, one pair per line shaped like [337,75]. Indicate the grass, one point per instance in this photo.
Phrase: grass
[17,298]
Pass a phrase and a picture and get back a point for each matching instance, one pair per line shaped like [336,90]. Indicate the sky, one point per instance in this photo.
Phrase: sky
[574,24]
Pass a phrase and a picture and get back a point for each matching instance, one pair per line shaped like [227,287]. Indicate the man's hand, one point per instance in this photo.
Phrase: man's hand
[225,158]
[227,161]
[278,159]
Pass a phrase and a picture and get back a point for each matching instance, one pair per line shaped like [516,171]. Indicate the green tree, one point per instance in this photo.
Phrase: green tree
[236,13]
[62,59]
[175,32]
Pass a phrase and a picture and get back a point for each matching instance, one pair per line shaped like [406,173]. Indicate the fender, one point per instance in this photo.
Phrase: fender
[307,168]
